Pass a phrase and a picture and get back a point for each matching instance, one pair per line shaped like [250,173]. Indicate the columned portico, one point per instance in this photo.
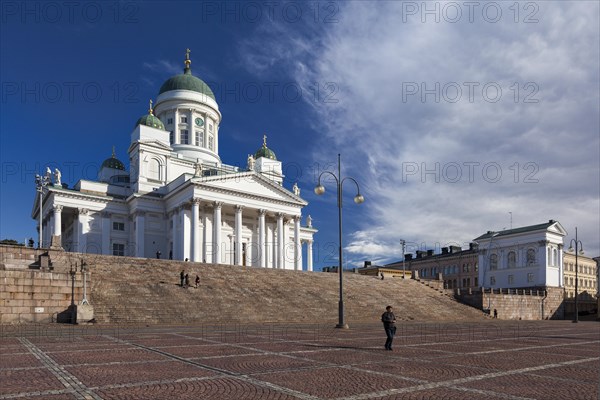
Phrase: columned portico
[82,228]
[309,255]
[196,244]
[280,249]
[262,253]
[176,233]
[238,235]
[140,229]
[105,233]
[216,245]
[297,244]
[186,232]
[57,220]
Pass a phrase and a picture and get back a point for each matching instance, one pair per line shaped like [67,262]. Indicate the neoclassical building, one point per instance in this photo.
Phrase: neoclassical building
[526,257]
[178,199]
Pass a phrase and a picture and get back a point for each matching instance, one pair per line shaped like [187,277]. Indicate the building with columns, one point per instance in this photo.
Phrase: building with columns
[179,200]
[526,257]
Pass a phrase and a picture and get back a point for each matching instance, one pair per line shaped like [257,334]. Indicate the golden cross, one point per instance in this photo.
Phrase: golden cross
[265,140]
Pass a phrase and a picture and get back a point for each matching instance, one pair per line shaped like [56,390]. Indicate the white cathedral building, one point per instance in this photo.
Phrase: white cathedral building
[179,200]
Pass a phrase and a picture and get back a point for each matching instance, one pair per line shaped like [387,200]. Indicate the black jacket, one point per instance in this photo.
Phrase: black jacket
[388,319]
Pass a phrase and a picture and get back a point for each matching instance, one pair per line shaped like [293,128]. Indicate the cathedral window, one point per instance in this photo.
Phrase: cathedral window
[118,249]
[494,261]
[118,226]
[492,280]
[511,259]
[210,127]
[210,143]
[183,120]
[184,137]
[169,121]
[530,277]
[199,138]
[171,137]
[531,257]
[154,170]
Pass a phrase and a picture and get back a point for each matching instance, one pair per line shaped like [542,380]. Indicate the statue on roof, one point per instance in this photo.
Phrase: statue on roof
[198,169]
[48,175]
[309,221]
[251,162]
[57,176]
[296,189]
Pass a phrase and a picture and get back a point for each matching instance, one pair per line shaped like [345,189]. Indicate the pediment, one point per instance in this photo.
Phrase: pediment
[557,228]
[249,184]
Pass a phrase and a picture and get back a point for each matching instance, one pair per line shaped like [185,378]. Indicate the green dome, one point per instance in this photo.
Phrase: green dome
[113,163]
[264,151]
[150,120]
[187,81]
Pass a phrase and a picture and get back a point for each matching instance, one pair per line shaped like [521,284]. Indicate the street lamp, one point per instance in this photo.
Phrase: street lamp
[578,250]
[403,244]
[41,181]
[319,190]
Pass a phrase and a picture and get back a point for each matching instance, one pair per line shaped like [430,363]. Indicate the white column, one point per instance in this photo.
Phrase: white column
[196,230]
[309,255]
[238,235]
[217,233]
[175,233]
[106,233]
[297,245]
[186,230]
[176,129]
[560,266]
[206,235]
[140,229]
[82,229]
[57,219]
[280,248]
[262,254]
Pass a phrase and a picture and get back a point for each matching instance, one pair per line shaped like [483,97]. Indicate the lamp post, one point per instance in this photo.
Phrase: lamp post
[578,250]
[319,190]
[41,181]
[403,244]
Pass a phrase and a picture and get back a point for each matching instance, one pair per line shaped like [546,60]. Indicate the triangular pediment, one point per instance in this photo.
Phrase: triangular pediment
[556,227]
[249,184]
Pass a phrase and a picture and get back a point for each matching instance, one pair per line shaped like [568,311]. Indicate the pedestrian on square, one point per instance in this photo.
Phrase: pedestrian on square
[197,281]
[495,313]
[181,277]
[158,253]
[389,325]
[187,280]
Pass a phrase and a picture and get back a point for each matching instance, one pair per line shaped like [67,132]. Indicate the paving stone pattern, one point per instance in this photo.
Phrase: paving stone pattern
[542,360]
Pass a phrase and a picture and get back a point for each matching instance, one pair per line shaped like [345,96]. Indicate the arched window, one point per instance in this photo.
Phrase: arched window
[494,261]
[549,261]
[511,259]
[554,257]
[154,169]
[531,257]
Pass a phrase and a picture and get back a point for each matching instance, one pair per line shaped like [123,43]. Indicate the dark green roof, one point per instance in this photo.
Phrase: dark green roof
[187,81]
[264,151]
[113,163]
[523,229]
[150,120]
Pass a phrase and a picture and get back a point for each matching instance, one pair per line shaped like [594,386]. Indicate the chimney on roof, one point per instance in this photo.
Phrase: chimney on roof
[367,264]
[420,253]
[455,249]
[408,257]
[429,253]
[444,250]
[473,246]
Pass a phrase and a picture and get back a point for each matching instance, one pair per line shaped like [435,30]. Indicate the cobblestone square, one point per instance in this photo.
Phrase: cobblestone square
[542,360]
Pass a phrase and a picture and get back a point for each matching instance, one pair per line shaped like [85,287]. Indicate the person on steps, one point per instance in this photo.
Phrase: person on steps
[389,325]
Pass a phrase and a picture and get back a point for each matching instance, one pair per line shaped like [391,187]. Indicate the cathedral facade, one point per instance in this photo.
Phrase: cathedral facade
[179,200]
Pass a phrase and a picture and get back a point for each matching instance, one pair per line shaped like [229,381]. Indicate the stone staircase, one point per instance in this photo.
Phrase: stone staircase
[130,290]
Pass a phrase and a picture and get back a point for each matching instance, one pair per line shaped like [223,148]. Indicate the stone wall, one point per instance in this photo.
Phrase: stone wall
[36,296]
[36,286]
[518,304]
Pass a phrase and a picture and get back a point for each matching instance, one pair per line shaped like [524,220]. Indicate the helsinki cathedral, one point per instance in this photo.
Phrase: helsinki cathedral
[179,200]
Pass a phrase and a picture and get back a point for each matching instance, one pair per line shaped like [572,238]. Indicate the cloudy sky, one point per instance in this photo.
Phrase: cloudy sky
[454,119]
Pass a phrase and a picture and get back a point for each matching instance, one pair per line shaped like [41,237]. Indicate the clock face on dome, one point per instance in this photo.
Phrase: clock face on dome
[199,121]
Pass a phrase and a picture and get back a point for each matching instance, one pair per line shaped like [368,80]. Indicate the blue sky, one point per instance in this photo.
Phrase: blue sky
[453,119]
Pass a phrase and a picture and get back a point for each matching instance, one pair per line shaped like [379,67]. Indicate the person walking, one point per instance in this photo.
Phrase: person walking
[181,277]
[187,280]
[389,324]
[197,281]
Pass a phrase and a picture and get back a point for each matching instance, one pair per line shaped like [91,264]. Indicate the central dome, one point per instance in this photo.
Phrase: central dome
[187,81]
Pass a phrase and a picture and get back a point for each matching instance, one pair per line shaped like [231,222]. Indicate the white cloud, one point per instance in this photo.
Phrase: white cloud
[547,151]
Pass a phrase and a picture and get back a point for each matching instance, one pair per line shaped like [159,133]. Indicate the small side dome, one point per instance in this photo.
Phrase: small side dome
[264,151]
[187,81]
[113,162]
[150,120]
